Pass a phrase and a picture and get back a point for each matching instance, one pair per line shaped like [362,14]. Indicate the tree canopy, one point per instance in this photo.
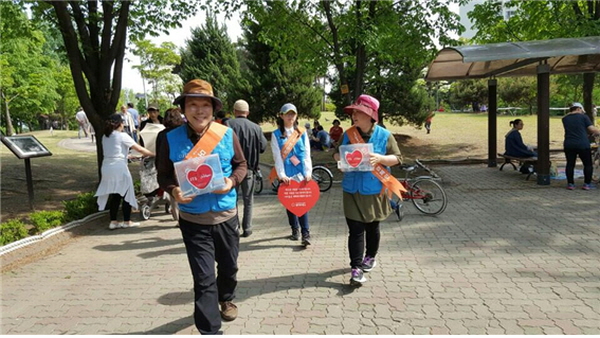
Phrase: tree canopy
[95,34]
[539,20]
[375,47]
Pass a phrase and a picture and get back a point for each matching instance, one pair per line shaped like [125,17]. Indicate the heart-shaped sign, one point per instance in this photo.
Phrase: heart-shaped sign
[200,177]
[354,158]
[299,197]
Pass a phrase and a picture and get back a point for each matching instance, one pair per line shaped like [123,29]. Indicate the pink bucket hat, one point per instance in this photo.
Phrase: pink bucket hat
[365,104]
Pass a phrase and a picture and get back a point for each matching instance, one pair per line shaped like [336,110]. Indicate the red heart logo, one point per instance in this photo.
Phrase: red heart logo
[354,158]
[200,177]
[299,197]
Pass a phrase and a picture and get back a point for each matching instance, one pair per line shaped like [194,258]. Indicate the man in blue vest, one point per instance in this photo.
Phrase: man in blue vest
[209,222]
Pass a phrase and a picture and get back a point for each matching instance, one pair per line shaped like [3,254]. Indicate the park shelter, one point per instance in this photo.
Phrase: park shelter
[540,58]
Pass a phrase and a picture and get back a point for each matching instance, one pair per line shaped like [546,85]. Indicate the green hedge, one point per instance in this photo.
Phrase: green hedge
[44,220]
[12,231]
[80,207]
[75,209]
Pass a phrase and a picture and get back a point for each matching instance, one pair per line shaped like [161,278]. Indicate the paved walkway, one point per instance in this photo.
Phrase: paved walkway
[506,257]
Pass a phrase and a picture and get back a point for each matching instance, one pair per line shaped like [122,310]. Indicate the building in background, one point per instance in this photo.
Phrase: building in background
[463,10]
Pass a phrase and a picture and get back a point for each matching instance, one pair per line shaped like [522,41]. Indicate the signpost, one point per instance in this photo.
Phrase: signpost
[26,147]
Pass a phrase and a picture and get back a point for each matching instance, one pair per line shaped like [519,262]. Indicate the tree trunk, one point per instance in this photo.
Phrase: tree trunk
[10,130]
[338,62]
[588,87]
[94,64]
[361,53]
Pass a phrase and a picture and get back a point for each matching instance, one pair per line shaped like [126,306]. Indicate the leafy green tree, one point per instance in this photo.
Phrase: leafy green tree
[539,20]
[28,88]
[518,91]
[271,83]
[367,43]
[466,93]
[211,56]
[156,66]
[95,34]
[67,101]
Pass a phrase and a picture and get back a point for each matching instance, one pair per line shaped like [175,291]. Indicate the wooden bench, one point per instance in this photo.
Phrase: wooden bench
[521,160]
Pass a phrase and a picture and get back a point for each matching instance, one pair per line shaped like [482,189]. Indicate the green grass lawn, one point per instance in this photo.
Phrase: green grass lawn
[453,136]
[68,172]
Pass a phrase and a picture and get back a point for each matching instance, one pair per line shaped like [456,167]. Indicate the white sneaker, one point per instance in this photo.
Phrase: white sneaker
[113,226]
[130,225]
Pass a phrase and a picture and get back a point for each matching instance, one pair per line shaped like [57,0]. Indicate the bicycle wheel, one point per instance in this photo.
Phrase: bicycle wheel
[428,196]
[258,183]
[323,177]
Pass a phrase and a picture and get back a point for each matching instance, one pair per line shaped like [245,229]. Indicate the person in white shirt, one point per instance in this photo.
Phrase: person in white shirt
[116,180]
[297,164]
[84,123]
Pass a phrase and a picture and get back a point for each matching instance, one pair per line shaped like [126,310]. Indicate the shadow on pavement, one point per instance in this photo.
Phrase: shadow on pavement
[153,242]
[168,328]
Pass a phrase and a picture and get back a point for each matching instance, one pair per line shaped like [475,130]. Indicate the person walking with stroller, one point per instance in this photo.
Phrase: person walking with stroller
[253,143]
[116,180]
[364,204]
[209,223]
[291,154]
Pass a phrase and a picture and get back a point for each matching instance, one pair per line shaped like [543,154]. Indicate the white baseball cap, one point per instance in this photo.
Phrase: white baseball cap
[579,105]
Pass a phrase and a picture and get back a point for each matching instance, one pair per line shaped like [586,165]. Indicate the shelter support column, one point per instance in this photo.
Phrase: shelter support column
[543,121]
[492,122]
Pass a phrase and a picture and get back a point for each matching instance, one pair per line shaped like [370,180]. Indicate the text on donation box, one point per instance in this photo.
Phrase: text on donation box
[200,175]
[299,197]
[355,157]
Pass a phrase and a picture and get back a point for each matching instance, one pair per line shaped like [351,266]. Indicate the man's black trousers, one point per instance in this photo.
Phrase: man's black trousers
[205,245]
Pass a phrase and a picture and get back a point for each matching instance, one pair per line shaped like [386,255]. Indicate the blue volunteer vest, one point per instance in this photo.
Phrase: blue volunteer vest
[299,151]
[180,145]
[364,182]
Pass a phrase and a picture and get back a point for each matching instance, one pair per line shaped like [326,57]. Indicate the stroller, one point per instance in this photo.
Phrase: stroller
[154,195]
[148,178]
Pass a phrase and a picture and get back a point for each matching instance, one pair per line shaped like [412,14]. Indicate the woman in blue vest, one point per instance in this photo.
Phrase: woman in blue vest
[296,165]
[208,223]
[364,205]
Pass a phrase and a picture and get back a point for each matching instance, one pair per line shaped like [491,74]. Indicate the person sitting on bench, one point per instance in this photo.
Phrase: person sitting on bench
[514,144]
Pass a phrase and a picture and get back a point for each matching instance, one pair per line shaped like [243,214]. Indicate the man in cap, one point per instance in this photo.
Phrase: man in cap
[209,222]
[153,116]
[577,128]
[253,143]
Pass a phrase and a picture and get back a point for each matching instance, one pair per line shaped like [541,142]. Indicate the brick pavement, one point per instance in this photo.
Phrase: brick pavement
[506,257]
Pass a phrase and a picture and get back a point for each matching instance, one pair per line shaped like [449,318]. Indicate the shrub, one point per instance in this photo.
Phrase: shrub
[44,220]
[329,106]
[11,231]
[83,205]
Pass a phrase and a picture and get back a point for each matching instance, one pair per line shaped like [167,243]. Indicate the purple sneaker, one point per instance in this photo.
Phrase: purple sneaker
[357,277]
[368,263]
[570,186]
[588,186]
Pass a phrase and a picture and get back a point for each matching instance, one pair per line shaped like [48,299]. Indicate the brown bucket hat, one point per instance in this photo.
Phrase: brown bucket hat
[199,88]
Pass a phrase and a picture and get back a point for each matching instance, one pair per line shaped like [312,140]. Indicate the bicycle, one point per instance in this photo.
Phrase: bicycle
[426,194]
[320,174]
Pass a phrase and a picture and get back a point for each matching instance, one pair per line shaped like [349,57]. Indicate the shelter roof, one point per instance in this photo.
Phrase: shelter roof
[564,56]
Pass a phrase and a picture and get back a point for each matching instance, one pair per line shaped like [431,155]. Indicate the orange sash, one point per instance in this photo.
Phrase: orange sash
[390,183]
[285,151]
[209,141]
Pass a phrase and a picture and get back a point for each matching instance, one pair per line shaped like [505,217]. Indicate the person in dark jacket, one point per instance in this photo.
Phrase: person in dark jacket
[153,116]
[514,144]
[208,222]
[577,128]
[253,143]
